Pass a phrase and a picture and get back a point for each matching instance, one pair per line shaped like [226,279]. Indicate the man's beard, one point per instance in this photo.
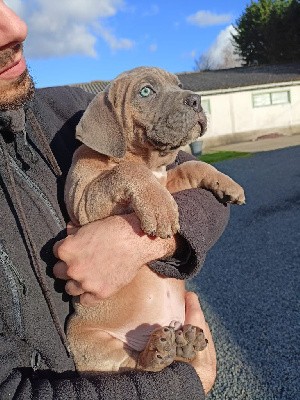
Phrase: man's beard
[17,93]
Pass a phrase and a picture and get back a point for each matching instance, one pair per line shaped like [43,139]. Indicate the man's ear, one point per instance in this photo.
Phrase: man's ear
[100,130]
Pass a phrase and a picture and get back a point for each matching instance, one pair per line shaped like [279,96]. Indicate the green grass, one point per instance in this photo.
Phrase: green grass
[222,156]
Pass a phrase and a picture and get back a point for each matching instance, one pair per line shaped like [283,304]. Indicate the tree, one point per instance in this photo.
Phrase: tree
[221,54]
[268,32]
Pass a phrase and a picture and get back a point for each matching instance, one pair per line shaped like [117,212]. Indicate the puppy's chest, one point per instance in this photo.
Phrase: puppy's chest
[161,174]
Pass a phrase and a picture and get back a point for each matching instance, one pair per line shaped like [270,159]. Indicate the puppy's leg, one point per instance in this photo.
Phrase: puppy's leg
[95,350]
[193,174]
[130,185]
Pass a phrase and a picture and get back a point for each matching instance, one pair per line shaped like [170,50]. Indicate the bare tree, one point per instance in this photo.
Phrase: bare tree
[221,54]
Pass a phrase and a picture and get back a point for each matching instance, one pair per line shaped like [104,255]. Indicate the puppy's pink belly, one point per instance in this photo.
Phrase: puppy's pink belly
[153,303]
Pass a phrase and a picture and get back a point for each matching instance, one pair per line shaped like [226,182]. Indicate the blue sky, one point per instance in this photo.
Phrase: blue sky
[72,41]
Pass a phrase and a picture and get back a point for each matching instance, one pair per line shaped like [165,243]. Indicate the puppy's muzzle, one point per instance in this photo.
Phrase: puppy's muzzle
[194,101]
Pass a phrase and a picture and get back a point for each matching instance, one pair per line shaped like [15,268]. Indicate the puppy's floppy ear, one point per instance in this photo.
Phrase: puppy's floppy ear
[100,130]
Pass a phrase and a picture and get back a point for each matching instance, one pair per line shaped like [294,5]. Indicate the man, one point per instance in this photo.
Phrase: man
[95,260]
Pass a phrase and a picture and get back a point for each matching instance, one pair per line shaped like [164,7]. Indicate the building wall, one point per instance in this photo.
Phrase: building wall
[233,116]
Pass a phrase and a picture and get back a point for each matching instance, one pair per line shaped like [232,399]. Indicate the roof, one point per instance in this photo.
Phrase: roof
[92,87]
[239,77]
[221,79]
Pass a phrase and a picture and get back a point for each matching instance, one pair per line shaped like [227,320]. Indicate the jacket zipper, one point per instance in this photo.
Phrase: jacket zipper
[37,191]
[15,283]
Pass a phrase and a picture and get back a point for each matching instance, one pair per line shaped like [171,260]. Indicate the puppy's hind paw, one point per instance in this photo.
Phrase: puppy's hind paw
[160,350]
[189,340]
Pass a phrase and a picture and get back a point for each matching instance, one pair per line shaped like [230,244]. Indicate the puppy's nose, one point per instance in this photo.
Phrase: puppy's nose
[194,101]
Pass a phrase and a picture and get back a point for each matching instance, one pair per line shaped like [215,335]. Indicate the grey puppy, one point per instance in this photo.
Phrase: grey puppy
[130,133]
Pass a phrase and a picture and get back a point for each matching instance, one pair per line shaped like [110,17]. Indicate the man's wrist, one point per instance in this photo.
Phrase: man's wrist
[168,248]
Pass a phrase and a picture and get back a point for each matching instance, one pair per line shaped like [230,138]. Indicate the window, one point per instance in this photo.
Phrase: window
[272,98]
[260,100]
[205,103]
[280,97]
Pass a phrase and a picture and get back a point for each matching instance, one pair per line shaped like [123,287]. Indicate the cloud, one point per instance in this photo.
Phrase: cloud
[152,10]
[192,53]
[206,18]
[221,53]
[153,47]
[16,5]
[113,41]
[189,54]
[65,27]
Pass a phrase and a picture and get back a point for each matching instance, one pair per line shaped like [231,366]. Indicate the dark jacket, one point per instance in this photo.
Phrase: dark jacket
[34,361]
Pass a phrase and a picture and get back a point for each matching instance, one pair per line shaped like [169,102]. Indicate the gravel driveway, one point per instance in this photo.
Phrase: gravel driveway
[249,285]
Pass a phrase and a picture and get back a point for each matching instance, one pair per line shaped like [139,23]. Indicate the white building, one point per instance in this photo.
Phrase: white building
[243,103]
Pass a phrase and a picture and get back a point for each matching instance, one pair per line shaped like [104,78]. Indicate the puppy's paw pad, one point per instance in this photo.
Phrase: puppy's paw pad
[162,339]
[189,340]
[160,350]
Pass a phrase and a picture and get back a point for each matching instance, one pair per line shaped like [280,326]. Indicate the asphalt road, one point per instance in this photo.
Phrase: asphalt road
[249,284]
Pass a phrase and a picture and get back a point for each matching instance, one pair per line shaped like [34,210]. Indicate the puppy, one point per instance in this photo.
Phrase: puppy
[130,133]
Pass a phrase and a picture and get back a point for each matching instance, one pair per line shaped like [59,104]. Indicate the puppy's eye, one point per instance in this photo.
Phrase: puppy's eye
[146,91]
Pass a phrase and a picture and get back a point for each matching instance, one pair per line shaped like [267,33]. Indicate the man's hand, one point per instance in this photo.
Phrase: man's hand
[101,257]
[206,361]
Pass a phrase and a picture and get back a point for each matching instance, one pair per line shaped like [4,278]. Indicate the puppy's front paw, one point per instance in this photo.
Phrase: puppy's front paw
[228,190]
[158,213]
[160,350]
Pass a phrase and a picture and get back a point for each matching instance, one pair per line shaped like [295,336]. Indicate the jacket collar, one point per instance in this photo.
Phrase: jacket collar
[12,120]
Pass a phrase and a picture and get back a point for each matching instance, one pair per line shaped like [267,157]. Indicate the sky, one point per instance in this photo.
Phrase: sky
[75,41]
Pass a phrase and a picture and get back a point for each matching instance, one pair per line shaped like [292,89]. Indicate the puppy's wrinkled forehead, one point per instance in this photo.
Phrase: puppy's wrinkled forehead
[136,77]
[152,73]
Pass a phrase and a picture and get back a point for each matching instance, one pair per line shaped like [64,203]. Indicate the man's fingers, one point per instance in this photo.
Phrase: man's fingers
[193,312]
[64,248]
[56,246]
[88,300]
[73,288]
[71,228]
[205,362]
[60,271]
